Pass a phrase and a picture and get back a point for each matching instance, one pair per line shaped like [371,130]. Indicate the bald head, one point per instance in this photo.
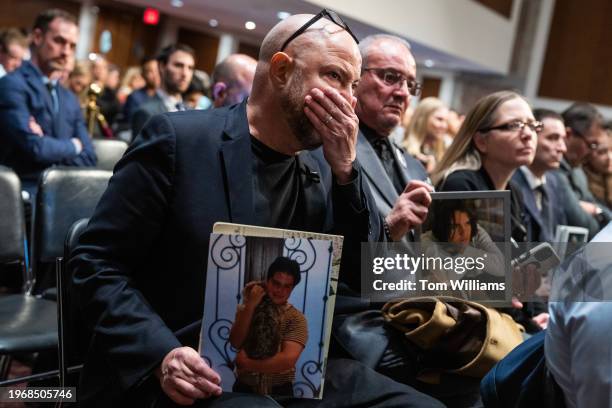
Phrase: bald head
[233,79]
[321,30]
[323,57]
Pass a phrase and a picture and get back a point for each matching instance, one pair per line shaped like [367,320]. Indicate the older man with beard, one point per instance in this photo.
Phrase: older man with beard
[139,268]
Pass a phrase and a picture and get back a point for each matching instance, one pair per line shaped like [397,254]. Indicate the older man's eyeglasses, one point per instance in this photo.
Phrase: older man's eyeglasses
[392,78]
[330,15]
[515,126]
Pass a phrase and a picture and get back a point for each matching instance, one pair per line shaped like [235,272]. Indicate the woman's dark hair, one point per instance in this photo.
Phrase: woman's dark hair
[442,217]
[285,265]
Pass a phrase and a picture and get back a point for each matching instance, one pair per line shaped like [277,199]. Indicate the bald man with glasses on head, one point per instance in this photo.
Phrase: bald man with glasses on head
[139,267]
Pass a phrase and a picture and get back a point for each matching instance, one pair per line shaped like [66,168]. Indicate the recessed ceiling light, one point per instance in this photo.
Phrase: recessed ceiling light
[176,3]
[249,25]
[282,15]
[213,23]
[429,63]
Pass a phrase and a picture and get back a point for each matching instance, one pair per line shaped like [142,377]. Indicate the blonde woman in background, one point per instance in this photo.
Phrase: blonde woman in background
[428,132]
[78,81]
[132,80]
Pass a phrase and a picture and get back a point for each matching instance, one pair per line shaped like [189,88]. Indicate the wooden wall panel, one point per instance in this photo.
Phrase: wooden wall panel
[503,7]
[248,49]
[205,46]
[21,13]
[579,53]
[431,87]
[131,38]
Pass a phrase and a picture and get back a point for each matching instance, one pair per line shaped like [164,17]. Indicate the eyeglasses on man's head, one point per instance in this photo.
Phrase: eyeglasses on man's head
[325,13]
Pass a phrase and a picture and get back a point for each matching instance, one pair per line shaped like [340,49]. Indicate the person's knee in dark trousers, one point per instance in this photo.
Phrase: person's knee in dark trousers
[348,383]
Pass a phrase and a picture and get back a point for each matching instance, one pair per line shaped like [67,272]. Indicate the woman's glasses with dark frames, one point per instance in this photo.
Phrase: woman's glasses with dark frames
[331,15]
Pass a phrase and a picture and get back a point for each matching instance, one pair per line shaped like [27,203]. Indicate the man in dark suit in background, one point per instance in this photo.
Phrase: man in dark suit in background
[139,268]
[544,208]
[150,73]
[397,180]
[176,65]
[41,121]
[584,126]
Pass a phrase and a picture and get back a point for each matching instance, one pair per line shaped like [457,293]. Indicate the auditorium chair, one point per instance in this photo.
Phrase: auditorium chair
[27,324]
[65,195]
[109,152]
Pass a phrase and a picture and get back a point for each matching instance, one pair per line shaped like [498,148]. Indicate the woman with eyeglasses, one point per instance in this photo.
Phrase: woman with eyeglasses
[428,132]
[498,135]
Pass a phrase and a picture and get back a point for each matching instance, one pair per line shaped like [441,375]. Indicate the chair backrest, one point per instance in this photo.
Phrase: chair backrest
[12,218]
[109,152]
[64,196]
[71,335]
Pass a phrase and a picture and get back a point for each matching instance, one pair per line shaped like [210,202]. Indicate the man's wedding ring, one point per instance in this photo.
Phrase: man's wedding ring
[328,119]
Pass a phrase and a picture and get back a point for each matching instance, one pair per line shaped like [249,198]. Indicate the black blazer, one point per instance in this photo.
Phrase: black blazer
[139,269]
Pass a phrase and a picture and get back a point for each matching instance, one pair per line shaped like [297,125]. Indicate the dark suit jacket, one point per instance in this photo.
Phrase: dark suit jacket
[134,101]
[146,111]
[537,229]
[139,269]
[574,213]
[23,95]
[381,186]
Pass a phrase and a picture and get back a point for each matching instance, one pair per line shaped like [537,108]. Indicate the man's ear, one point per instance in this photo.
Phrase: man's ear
[37,37]
[480,143]
[219,91]
[281,66]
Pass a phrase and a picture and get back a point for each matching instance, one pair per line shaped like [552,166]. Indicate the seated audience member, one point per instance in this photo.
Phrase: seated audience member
[577,345]
[539,188]
[454,120]
[13,46]
[138,271]
[195,95]
[497,137]
[150,74]
[132,80]
[428,132]
[176,64]
[598,169]
[79,80]
[232,80]
[41,121]
[584,128]
[397,180]
[107,78]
